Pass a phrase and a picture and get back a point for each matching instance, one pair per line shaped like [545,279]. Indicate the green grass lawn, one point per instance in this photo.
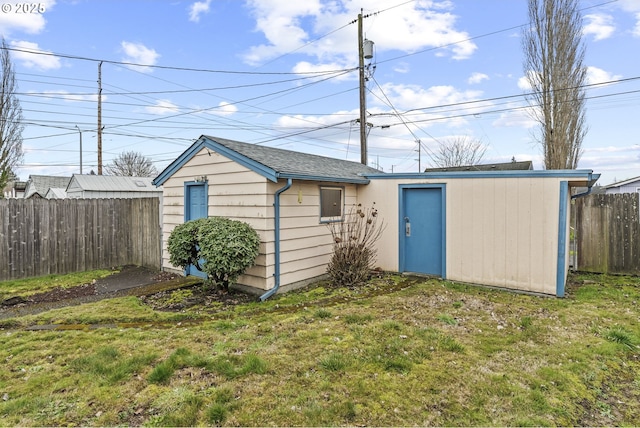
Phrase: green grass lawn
[399,351]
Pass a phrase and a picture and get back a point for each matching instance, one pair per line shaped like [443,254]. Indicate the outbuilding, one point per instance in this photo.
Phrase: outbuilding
[110,186]
[499,228]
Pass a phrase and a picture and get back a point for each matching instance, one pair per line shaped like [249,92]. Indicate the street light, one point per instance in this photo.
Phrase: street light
[80,148]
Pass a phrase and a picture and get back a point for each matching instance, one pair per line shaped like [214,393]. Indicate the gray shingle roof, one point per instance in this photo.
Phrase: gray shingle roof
[297,164]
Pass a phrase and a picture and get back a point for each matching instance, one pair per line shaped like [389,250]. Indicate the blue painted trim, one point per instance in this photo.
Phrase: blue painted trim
[204,142]
[187,215]
[324,178]
[562,239]
[269,173]
[178,163]
[187,207]
[583,174]
[276,233]
[401,235]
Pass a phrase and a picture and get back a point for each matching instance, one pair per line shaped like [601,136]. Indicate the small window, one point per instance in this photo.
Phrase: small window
[331,203]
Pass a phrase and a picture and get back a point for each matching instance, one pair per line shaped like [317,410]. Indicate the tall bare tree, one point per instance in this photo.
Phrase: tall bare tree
[459,151]
[11,126]
[553,65]
[131,164]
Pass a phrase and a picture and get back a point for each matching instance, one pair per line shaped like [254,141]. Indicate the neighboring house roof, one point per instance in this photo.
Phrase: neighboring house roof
[506,166]
[623,183]
[274,163]
[56,193]
[40,184]
[110,183]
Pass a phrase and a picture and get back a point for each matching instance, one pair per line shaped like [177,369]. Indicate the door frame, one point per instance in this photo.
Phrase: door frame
[402,190]
[188,185]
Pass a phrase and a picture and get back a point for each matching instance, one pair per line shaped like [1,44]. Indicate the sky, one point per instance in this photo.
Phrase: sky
[284,74]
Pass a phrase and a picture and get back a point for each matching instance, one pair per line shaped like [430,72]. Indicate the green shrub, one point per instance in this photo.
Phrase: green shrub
[220,247]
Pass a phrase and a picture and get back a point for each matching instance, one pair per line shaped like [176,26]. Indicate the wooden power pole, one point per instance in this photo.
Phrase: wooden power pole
[100,118]
[363,99]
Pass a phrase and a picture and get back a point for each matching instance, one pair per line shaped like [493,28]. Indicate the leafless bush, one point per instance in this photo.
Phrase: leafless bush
[354,253]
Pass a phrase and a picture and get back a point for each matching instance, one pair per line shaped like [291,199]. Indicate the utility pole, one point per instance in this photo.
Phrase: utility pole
[100,118]
[365,51]
[419,156]
[363,99]
[80,148]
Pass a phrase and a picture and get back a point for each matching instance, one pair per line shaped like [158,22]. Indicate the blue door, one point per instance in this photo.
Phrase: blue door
[195,197]
[422,229]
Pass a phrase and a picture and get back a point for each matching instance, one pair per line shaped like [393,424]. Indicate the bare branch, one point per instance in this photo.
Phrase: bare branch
[131,164]
[459,151]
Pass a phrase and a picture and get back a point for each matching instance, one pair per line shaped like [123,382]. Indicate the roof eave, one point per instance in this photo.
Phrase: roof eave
[205,142]
[582,174]
[350,180]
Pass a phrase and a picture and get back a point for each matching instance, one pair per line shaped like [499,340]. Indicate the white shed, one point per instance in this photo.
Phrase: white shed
[110,186]
[631,185]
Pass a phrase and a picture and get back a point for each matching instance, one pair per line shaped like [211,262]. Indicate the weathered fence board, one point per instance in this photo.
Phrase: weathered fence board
[47,236]
[608,233]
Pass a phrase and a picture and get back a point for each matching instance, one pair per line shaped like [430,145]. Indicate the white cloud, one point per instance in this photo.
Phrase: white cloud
[307,67]
[41,61]
[291,26]
[636,29]
[629,5]
[517,118]
[71,97]
[596,75]
[198,8]
[162,107]
[477,78]
[137,53]
[524,83]
[599,25]
[225,109]
[18,20]
[407,97]
[401,67]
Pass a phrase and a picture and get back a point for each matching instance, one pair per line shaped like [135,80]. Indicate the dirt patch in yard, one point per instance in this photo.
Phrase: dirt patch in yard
[129,280]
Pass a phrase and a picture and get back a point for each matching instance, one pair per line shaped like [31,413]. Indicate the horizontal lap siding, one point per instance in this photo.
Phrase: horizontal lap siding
[234,192]
[305,243]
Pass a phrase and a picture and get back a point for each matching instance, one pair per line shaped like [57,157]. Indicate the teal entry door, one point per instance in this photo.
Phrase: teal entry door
[422,229]
[195,207]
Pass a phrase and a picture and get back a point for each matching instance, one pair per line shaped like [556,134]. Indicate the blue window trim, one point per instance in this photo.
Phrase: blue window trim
[187,207]
[187,213]
[561,273]
[324,220]
[401,234]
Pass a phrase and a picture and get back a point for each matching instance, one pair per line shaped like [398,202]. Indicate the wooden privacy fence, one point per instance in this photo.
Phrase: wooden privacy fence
[608,233]
[57,236]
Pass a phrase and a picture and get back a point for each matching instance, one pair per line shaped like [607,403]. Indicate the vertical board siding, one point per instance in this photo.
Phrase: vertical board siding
[608,233]
[57,236]
[500,231]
